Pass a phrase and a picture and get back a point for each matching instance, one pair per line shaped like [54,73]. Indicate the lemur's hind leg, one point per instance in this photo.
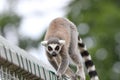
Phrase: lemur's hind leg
[74,54]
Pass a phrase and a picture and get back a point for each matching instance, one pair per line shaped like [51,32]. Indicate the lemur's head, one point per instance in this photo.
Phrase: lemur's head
[53,46]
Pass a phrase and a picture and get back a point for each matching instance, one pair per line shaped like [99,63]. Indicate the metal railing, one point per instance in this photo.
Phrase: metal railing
[16,64]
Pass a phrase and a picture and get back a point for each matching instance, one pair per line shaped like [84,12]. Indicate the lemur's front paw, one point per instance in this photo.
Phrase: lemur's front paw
[59,76]
[81,75]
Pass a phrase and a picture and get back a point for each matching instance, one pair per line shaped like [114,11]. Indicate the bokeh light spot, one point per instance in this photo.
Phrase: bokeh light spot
[101,54]
[116,67]
[83,28]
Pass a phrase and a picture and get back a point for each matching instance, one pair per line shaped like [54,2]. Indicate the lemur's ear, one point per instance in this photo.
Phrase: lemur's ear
[44,43]
[62,42]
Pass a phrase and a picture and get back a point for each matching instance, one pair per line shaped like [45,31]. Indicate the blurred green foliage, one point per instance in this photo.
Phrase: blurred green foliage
[103,20]
[6,19]
[10,21]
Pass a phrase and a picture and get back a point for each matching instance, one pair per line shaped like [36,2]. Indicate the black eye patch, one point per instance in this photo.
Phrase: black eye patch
[57,48]
[49,48]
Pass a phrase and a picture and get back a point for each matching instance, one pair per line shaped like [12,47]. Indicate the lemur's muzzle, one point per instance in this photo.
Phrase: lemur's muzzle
[54,54]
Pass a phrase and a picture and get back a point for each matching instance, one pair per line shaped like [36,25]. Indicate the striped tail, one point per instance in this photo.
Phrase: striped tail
[87,60]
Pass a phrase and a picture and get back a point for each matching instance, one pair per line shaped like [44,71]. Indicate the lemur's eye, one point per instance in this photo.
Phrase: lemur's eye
[49,48]
[57,48]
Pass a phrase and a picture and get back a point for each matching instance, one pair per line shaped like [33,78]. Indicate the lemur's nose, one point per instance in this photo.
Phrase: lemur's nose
[54,54]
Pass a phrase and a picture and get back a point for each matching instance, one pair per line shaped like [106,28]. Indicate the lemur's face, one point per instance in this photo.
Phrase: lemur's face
[53,48]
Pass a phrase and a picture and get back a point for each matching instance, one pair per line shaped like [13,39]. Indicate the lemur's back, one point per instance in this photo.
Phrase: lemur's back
[58,28]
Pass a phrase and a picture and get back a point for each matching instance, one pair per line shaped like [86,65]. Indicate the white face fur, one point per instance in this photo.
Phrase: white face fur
[53,48]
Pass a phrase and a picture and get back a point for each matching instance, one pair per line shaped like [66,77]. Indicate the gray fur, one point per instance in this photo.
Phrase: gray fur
[63,29]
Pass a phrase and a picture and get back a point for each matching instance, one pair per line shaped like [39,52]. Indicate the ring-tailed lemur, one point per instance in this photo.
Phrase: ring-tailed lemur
[61,42]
